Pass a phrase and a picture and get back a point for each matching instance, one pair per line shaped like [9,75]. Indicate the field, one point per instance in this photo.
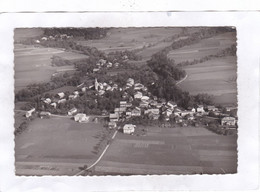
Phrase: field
[186,150]
[56,146]
[210,46]
[25,33]
[72,56]
[33,64]
[120,39]
[216,77]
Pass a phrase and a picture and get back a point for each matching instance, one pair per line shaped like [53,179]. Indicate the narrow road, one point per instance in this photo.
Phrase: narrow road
[182,80]
[100,157]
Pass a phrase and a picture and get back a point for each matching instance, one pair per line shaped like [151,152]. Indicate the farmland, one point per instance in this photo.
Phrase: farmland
[179,150]
[216,77]
[120,39]
[33,64]
[56,146]
[205,47]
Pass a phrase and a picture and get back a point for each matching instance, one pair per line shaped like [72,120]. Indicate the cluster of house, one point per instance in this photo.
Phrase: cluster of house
[154,108]
[140,103]
[60,98]
[102,63]
[56,37]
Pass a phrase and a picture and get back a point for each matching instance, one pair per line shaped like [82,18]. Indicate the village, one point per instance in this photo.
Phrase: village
[137,104]
[108,110]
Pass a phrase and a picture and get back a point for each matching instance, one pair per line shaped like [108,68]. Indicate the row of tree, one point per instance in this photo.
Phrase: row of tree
[87,33]
[230,51]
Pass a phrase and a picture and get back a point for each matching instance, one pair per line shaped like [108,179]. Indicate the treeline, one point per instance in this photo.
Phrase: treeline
[58,61]
[87,33]
[196,37]
[33,90]
[119,56]
[230,51]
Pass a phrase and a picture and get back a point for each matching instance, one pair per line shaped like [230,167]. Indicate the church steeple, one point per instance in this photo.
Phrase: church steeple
[96,84]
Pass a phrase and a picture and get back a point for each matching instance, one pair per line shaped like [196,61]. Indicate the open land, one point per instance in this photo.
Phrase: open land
[205,47]
[182,150]
[120,39]
[146,40]
[33,64]
[216,77]
[56,146]
[25,33]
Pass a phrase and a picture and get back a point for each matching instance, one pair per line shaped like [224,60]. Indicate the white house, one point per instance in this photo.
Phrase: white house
[153,111]
[130,81]
[138,95]
[112,125]
[129,128]
[145,98]
[136,112]
[61,95]
[95,70]
[171,104]
[168,112]
[47,101]
[109,65]
[54,105]
[62,101]
[81,117]
[71,97]
[113,116]
[83,89]
[212,108]
[44,114]
[144,104]
[129,112]
[200,109]
[230,121]
[29,113]
[123,103]
[138,86]
[72,111]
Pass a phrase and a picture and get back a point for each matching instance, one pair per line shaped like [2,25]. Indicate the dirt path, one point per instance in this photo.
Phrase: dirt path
[100,157]
[182,80]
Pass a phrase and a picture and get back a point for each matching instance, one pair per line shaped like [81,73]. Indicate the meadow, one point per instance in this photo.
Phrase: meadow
[216,77]
[56,146]
[185,150]
[205,47]
[120,39]
[25,33]
[33,64]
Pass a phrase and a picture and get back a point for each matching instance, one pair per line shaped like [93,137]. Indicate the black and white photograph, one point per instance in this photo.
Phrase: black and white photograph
[101,101]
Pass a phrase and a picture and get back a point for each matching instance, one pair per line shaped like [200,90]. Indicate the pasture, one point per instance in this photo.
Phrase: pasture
[205,47]
[120,39]
[216,77]
[72,56]
[25,33]
[186,150]
[33,64]
[56,146]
